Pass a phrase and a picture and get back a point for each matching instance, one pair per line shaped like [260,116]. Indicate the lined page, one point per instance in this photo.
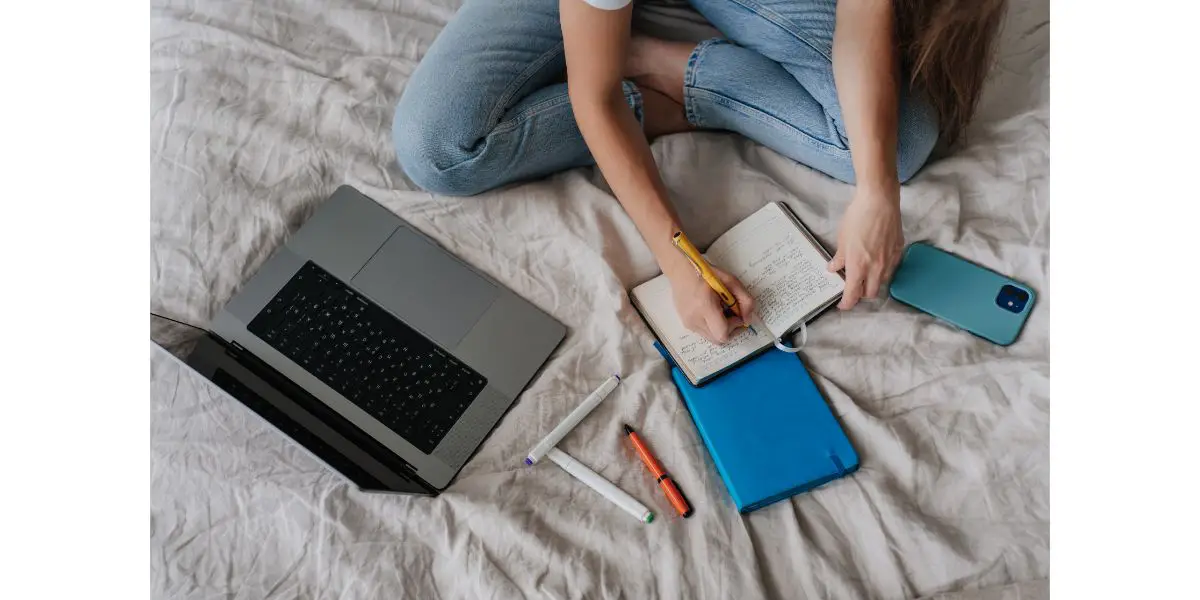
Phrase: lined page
[696,354]
[781,268]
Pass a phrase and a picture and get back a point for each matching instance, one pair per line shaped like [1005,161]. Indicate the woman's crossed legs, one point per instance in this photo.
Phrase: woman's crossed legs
[487,105]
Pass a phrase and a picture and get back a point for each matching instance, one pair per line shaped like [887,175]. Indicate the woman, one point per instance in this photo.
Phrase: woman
[858,89]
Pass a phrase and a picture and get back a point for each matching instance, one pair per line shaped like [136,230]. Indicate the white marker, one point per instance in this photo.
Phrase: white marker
[603,486]
[572,420]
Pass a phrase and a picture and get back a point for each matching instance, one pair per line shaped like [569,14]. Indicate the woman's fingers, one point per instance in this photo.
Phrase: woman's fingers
[744,299]
[838,262]
[718,328]
[854,287]
[873,281]
[865,280]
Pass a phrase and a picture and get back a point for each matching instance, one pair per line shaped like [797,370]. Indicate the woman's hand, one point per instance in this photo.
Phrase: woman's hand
[870,242]
[700,308]
[865,70]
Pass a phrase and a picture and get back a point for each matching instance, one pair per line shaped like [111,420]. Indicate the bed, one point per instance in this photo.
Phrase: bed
[261,109]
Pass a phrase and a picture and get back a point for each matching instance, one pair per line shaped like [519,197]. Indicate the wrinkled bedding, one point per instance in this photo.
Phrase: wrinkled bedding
[260,109]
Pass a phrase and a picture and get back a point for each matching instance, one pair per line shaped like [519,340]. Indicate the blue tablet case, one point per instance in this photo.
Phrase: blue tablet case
[768,429]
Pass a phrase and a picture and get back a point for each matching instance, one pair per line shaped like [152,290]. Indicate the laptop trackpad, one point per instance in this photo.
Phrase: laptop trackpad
[426,287]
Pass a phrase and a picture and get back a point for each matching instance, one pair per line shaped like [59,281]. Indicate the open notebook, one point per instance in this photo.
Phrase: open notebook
[782,266]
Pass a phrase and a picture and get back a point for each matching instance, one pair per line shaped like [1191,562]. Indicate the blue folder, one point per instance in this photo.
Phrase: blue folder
[769,430]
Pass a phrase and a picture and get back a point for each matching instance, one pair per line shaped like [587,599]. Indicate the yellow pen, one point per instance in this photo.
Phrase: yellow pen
[706,273]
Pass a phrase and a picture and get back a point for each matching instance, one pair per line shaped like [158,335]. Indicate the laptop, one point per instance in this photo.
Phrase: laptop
[385,356]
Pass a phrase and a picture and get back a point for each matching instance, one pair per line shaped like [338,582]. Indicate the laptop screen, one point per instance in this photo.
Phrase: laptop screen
[294,430]
[321,432]
[174,336]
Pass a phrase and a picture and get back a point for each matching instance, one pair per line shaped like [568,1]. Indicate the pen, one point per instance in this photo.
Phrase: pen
[731,305]
[674,496]
[602,486]
[573,419]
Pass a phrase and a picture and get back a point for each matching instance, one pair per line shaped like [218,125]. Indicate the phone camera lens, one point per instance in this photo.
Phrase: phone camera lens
[1012,299]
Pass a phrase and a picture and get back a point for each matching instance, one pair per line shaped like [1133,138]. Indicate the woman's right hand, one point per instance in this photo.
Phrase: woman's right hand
[700,308]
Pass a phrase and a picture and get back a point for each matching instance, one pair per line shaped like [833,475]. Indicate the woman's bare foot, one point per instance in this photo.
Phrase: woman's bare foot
[661,115]
[659,65]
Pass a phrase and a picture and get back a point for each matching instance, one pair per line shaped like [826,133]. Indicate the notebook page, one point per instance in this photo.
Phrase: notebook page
[781,268]
[696,354]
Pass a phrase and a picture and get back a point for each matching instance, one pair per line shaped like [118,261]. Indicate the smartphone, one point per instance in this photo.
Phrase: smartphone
[962,293]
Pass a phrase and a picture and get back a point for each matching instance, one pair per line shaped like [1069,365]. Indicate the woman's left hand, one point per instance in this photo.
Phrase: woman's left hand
[870,242]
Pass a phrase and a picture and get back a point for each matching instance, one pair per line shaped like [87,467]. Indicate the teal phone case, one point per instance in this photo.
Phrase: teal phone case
[960,292]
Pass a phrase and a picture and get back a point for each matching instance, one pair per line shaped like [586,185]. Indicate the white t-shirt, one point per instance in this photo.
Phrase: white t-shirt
[608,4]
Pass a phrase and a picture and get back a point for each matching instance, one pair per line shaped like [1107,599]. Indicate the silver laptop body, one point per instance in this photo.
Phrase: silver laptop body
[482,342]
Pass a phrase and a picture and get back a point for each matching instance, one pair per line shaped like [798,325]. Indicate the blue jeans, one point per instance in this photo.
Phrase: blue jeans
[486,106]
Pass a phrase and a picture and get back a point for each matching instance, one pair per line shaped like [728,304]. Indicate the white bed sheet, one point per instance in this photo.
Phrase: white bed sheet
[260,109]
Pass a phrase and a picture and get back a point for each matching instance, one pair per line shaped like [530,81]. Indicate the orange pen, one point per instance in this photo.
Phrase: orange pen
[674,496]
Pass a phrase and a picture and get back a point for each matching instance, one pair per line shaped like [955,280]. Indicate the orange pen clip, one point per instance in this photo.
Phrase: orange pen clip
[674,496]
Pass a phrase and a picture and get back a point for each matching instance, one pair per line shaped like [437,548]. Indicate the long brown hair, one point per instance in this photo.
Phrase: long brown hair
[947,47]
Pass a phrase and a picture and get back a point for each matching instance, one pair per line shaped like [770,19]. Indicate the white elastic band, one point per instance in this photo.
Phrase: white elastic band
[803,341]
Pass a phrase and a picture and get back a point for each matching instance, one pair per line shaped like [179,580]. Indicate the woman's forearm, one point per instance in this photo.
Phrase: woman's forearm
[615,138]
[866,72]
[595,43]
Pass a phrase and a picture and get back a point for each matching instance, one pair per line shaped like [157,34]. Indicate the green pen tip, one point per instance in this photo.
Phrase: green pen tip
[649,517]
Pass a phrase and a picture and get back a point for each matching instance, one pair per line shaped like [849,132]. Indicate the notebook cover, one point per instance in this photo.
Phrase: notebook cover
[768,429]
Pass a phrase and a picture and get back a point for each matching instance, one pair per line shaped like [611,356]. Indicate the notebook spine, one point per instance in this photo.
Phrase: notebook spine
[666,355]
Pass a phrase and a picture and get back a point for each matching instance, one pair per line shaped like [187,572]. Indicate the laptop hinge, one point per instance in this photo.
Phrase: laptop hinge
[290,388]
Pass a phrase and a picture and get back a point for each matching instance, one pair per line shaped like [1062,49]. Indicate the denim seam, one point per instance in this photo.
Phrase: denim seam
[553,103]
[529,113]
[780,22]
[689,79]
[507,96]
[772,121]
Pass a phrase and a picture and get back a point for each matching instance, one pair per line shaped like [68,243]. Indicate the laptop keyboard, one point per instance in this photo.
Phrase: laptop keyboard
[372,358]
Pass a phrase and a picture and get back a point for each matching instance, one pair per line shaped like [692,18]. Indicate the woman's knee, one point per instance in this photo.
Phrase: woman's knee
[427,148]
